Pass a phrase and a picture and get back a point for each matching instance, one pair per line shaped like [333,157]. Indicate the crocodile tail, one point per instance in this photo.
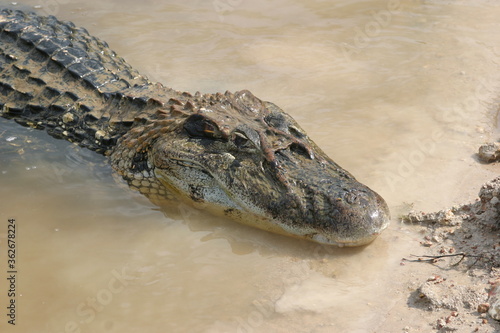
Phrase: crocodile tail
[56,76]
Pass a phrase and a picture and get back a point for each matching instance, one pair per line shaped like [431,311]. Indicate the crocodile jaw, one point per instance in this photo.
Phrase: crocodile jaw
[205,191]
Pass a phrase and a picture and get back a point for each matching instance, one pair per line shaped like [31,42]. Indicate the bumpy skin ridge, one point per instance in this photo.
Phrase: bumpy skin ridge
[232,154]
[56,76]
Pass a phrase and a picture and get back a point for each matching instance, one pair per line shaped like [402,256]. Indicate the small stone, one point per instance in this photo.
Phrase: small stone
[494,301]
[489,152]
[494,281]
[483,307]
[437,239]
[437,278]
[440,323]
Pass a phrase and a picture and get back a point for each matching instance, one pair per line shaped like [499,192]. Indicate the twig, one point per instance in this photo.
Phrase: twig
[434,259]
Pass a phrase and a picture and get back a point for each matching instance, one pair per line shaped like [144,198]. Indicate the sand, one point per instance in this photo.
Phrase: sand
[453,283]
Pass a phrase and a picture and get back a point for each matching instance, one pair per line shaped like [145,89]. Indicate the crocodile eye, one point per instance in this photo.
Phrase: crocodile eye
[208,129]
[198,126]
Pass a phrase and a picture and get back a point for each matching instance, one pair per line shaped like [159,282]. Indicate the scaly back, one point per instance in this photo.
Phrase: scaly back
[56,76]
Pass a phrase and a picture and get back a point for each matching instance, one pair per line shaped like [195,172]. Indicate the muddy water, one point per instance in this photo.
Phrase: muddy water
[400,93]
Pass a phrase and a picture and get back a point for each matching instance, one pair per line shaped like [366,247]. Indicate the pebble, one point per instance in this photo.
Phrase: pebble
[483,307]
[437,239]
[427,243]
[494,301]
[440,323]
[489,152]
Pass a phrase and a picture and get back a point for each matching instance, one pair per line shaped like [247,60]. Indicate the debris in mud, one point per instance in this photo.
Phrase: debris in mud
[483,307]
[445,294]
[484,210]
[435,259]
[449,217]
[476,225]
[490,201]
[446,321]
[470,231]
[489,152]
[494,301]
[465,242]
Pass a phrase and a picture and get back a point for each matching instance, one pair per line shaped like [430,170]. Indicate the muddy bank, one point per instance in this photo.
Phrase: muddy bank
[462,245]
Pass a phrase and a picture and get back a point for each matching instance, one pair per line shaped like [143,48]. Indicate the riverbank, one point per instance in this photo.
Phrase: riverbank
[452,280]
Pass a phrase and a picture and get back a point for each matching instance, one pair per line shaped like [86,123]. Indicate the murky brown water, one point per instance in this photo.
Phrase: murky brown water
[400,93]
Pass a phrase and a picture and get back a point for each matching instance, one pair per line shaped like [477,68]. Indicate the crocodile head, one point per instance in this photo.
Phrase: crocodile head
[238,156]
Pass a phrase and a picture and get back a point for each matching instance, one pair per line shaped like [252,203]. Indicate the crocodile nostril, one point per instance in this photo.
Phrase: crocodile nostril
[351,197]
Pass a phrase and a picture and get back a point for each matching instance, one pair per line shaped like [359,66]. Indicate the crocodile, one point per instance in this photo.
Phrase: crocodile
[231,154]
